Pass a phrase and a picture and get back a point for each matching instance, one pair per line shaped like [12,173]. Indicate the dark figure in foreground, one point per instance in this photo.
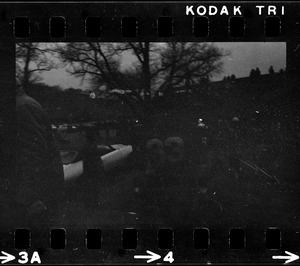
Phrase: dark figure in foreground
[39,184]
[40,176]
[38,188]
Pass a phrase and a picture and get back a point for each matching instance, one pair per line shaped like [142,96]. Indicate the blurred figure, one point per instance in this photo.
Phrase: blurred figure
[38,187]
[199,147]
[40,176]
[235,129]
[39,184]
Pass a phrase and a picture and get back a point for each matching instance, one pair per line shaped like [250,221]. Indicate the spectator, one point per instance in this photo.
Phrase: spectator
[40,176]
[257,72]
[39,184]
[252,73]
[271,70]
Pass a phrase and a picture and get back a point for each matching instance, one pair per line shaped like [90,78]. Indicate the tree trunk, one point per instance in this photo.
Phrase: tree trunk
[147,108]
[146,70]
[26,74]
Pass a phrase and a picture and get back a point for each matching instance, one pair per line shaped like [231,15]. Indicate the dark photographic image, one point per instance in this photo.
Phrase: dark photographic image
[139,133]
[155,134]
[149,133]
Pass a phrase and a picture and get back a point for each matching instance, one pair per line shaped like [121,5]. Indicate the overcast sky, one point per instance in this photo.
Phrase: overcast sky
[243,57]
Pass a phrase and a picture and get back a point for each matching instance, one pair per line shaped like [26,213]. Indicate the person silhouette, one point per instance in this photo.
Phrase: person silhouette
[39,186]
[257,72]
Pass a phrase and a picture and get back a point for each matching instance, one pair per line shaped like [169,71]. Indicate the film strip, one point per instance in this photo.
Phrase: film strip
[209,155]
[165,238]
[129,27]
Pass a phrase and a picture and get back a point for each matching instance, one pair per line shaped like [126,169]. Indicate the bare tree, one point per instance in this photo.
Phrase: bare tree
[32,58]
[99,64]
[154,67]
[146,55]
[185,64]
[165,66]
[92,61]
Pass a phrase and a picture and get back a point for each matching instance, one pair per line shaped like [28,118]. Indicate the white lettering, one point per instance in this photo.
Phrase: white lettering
[24,257]
[212,10]
[236,9]
[169,257]
[35,258]
[201,13]
[189,9]
[259,9]
[224,10]
[271,9]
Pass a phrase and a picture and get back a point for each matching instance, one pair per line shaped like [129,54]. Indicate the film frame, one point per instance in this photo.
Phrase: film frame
[148,22]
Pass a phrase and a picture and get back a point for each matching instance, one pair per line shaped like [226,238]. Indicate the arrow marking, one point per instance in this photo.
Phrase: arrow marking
[152,257]
[6,258]
[290,258]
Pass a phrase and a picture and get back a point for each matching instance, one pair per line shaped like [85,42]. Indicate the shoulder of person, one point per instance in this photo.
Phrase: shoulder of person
[25,104]
[26,100]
